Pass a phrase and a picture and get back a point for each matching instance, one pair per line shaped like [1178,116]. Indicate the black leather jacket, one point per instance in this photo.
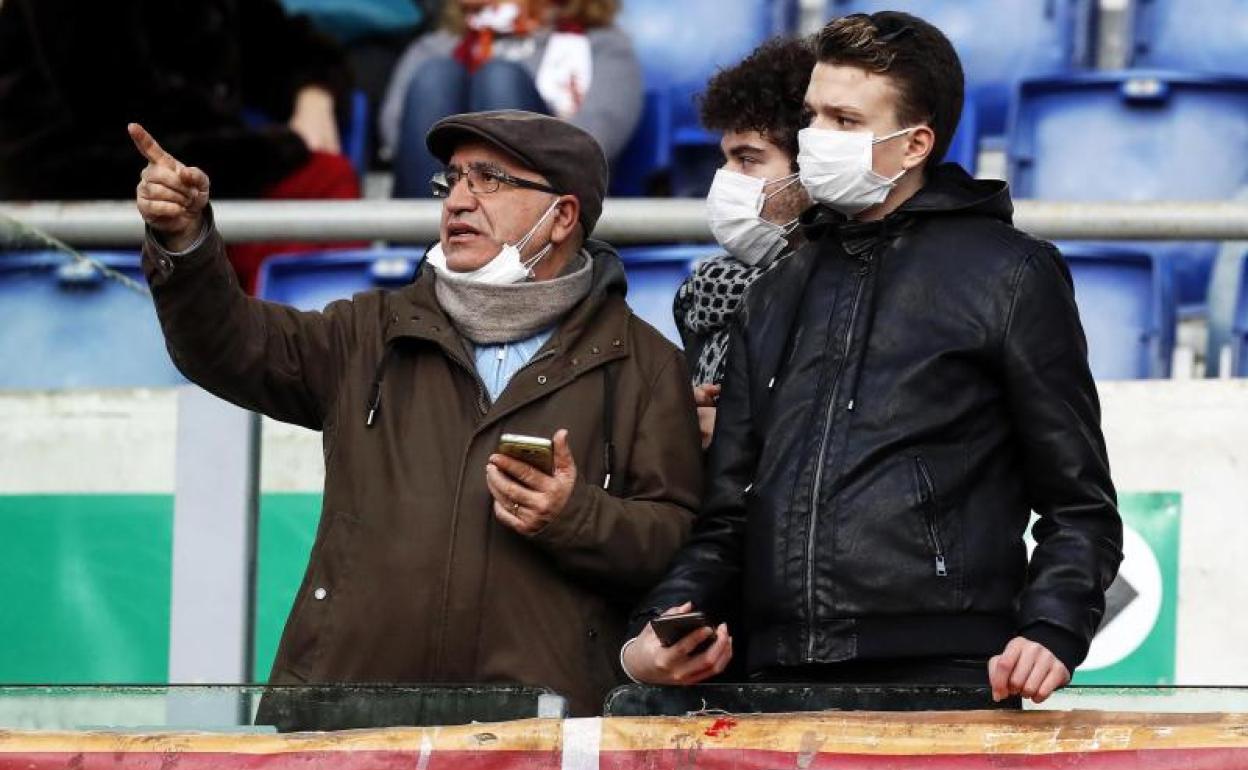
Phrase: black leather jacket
[899,397]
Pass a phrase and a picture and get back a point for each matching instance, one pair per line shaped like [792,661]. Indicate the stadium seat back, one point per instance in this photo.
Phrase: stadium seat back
[1239,326]
[1126,306]
[1210,36]
[654,274]
[1134,136]
[312,280]
[1001,42]
[68,326]
[680,46]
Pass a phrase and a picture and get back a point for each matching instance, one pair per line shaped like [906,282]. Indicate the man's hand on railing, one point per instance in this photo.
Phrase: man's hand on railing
[171,197]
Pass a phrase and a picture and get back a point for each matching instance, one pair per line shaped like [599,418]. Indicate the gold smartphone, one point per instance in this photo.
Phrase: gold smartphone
[538,452]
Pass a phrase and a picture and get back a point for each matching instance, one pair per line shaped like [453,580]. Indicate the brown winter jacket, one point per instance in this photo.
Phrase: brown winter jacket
[420,582]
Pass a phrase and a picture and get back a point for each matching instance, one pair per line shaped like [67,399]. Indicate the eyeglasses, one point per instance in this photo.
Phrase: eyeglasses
[482,180]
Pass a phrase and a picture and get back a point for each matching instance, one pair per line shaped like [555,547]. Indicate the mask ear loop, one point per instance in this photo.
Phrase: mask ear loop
[789,181]
[532,261]
[894,135]
[794,178]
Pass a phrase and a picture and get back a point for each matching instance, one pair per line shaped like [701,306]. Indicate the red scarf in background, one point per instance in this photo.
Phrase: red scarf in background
[477,45]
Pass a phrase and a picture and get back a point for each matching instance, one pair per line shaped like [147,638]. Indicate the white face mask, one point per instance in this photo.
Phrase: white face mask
[836,168]
[733,210]
[507,267]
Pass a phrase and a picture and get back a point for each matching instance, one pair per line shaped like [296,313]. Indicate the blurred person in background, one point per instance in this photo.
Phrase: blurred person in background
[753,205]
[559,57]
[236,87]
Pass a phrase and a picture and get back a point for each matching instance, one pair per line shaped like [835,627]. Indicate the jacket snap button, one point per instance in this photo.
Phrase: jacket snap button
[541,379]
[593,633]
[576,362]
[616,343]
[594,349]
[320,594]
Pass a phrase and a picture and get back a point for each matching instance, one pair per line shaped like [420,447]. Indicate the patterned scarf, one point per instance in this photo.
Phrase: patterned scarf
[705,304]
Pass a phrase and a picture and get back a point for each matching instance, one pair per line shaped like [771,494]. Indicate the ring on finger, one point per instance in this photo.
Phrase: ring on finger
[515,507]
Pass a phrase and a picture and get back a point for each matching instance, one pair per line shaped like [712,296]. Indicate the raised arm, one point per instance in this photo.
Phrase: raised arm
[262,356]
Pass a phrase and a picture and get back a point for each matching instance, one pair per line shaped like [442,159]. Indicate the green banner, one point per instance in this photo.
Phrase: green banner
[1136,642]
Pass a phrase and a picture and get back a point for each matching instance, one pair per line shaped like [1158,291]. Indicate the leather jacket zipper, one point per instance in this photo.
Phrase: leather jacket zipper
[823,449]
[927,500]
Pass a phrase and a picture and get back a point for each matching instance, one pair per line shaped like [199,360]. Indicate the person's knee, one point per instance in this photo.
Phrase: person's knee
[500,84]
[436,80]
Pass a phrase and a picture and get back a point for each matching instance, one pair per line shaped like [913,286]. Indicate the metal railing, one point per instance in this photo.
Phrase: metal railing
[624,221]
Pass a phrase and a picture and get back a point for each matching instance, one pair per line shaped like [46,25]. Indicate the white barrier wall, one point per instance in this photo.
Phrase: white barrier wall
[1184,437]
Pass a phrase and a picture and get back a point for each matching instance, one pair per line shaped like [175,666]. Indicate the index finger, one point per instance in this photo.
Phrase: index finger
[149,147]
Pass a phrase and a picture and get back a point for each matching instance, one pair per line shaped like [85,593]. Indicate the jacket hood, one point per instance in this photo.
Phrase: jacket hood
[949,190]
[609,276]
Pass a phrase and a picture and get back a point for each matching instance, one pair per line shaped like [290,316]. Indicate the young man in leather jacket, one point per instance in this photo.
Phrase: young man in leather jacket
[899,396]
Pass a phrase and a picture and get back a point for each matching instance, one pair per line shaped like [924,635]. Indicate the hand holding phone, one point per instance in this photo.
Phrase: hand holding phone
[538,452]
[672,628]
[673,649]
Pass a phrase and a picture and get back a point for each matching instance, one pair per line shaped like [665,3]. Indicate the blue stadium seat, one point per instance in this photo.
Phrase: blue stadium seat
[1134,136]
[1206,36]
[67,326]
[654,274]
[1239,325]
[680,46]
[1001,42]
[312,280]
[1127,307]
[356,134]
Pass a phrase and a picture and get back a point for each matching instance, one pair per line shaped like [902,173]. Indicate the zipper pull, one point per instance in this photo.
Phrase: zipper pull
[941,568]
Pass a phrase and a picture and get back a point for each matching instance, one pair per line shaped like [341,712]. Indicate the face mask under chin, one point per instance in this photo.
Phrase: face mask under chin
[506,267]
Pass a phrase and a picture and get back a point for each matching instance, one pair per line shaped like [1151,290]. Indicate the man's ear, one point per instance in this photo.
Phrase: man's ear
[919,147]
[566,218]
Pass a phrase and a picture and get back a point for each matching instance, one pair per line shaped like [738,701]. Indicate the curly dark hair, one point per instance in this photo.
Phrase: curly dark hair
[917,56]
[764,92]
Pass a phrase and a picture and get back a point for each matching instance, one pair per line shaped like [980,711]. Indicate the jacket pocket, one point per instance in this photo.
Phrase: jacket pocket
[311,622]
[930,508]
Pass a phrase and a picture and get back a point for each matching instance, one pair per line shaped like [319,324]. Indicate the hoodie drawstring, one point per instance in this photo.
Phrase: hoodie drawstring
[374,396]
[608,425]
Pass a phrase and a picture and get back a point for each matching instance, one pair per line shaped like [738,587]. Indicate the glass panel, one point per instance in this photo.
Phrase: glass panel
[251,708]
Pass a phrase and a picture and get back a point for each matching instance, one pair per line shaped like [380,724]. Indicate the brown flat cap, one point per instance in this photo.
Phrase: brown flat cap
[570,159]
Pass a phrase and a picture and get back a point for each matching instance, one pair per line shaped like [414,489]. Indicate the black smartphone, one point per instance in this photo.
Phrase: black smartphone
[672,628]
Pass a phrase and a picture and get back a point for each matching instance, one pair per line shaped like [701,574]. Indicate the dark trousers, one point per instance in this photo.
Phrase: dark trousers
[444,87]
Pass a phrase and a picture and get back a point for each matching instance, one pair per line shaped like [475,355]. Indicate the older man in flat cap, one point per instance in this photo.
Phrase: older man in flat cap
[438,557]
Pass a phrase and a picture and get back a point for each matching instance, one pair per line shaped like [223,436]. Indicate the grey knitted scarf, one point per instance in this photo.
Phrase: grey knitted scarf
[493,315]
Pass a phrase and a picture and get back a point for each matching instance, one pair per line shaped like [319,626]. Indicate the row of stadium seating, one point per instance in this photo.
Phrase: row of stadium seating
[1170,128]
[68,326]
[1001,43]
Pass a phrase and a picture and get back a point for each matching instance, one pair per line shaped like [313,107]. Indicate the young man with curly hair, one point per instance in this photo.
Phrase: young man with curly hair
[899,396]
[753,204]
